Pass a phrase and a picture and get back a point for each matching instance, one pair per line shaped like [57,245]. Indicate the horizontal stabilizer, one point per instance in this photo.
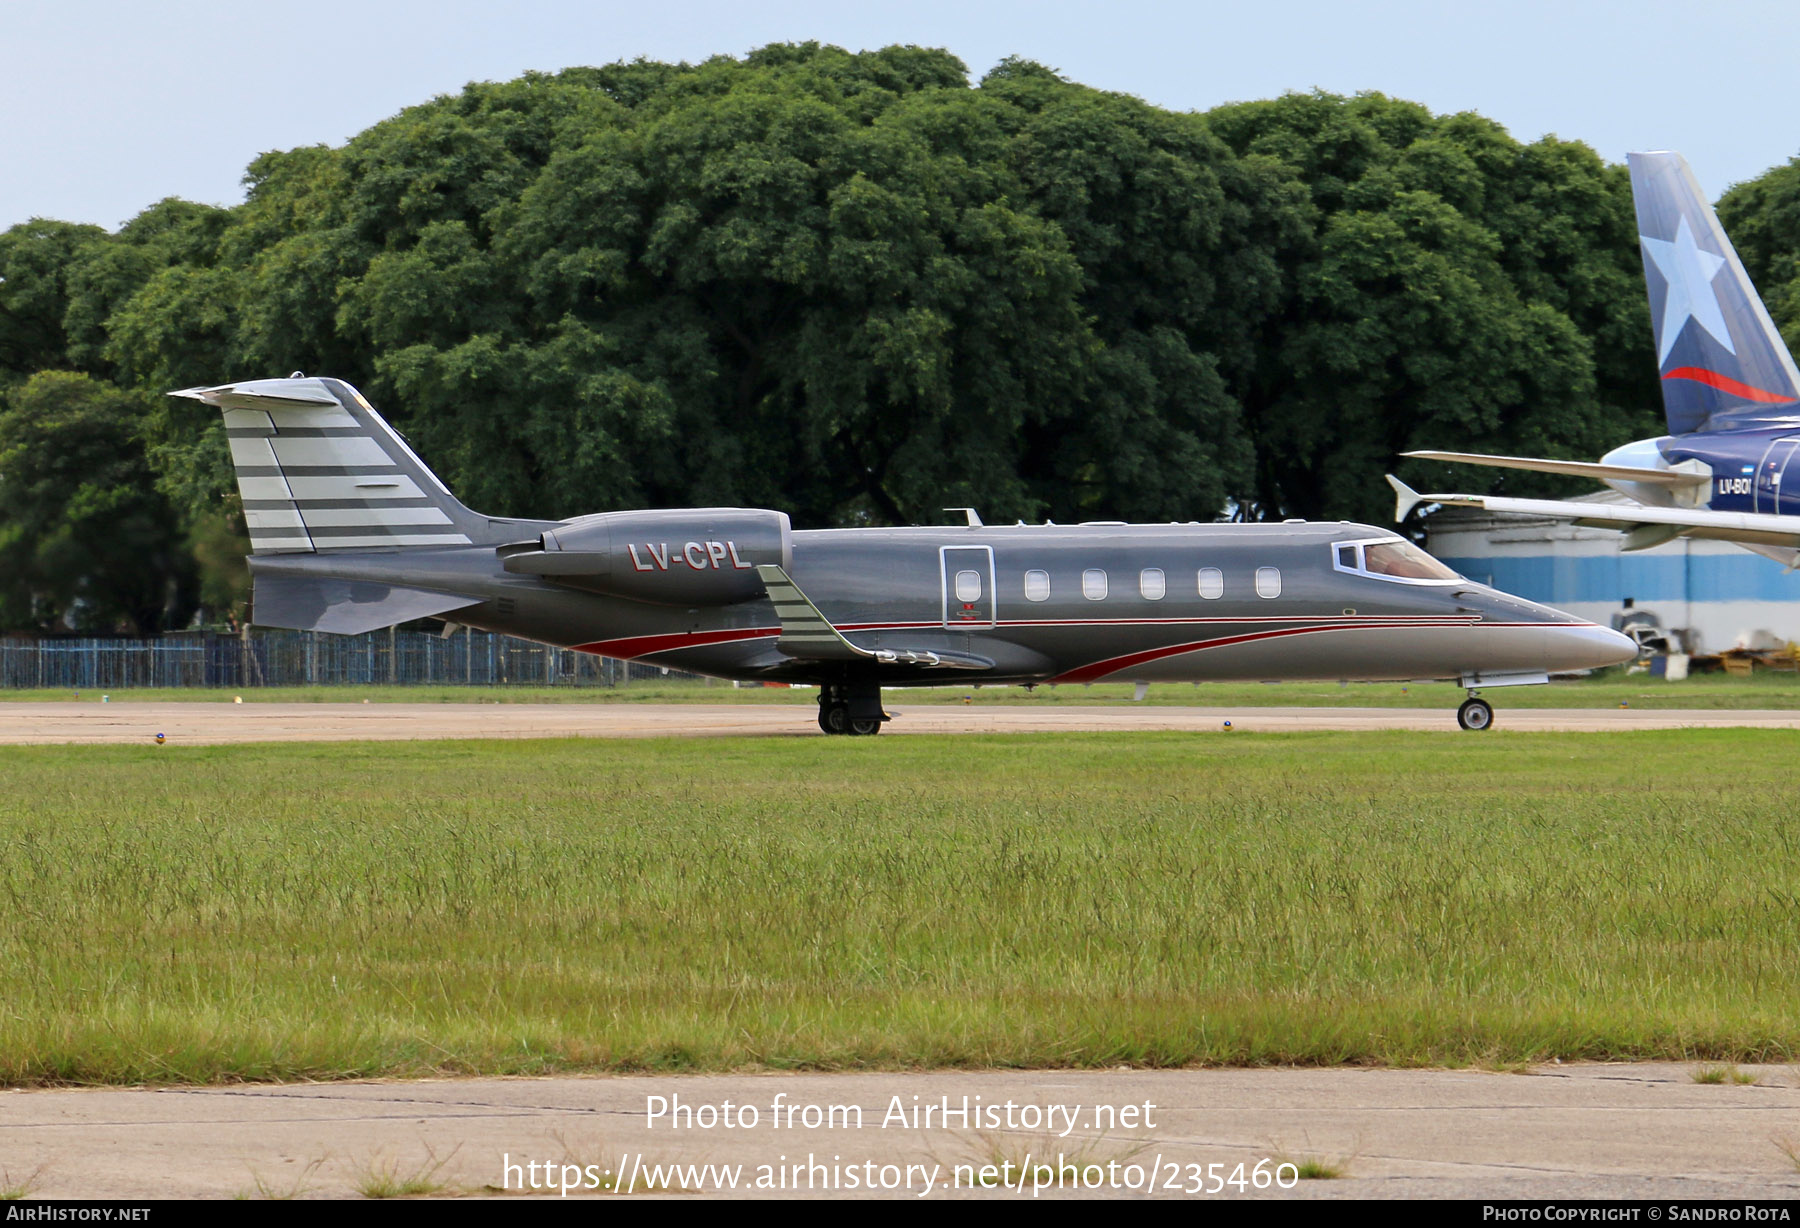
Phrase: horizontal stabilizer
[1579,469]
[345,607]
[808,634]
[264,395]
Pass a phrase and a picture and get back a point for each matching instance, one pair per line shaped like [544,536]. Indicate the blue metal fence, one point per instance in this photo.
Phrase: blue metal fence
[306,658]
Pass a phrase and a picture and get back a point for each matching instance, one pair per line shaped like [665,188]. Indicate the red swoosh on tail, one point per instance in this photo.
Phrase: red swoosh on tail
[1726,384]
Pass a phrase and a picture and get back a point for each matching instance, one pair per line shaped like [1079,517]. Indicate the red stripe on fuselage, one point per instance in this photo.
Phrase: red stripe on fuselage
[1112,665]
[1725,383]
[632,647]
[649,645]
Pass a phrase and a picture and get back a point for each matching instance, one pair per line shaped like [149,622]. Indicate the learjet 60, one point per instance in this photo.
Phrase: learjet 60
[351,532]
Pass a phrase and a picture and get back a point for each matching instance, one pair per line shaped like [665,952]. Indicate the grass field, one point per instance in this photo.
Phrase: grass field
[318,911]
[1603,690]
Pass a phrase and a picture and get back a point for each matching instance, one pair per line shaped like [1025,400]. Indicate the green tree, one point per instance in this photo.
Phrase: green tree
[37,260]
[86,540]
[1762,216]
[1176,239]
[796,279]
[1453,292]
[860,288]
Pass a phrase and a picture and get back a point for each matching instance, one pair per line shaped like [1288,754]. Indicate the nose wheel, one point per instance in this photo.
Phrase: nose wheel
[1475,714]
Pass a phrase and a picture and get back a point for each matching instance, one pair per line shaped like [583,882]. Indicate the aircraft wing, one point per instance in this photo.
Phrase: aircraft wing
[1644,526]
[807,633]
[1580,469]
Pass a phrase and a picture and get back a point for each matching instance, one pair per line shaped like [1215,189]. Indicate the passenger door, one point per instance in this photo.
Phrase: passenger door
[968,579]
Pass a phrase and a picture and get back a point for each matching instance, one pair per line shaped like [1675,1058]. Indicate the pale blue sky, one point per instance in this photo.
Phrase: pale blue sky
[109,106]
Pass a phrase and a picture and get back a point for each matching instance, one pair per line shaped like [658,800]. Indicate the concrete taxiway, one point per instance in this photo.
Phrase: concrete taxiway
[1578,1131]
[213,723]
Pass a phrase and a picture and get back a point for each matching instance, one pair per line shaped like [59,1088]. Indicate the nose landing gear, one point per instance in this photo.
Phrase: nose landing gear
[1475,713]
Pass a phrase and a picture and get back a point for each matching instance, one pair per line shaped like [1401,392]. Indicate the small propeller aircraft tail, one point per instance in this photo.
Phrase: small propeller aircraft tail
[1724,365]
[320,471]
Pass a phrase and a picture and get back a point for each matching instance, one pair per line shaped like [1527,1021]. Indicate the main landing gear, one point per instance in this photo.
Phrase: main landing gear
[853,710]
[1475,713]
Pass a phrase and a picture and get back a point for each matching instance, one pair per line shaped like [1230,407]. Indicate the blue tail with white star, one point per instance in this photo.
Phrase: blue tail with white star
[1724,366]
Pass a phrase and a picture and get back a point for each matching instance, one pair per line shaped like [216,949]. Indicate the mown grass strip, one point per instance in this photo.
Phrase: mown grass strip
[1606,689]
[273,912]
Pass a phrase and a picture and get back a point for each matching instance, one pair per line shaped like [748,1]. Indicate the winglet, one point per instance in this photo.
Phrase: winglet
[804,631]
[809,634]
[1405,498]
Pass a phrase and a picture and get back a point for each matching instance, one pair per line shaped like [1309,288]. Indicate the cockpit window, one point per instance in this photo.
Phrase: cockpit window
[1392,559]
[1405,560]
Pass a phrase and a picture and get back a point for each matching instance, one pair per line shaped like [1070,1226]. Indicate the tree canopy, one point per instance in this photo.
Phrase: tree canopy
[858,288]
[84,532]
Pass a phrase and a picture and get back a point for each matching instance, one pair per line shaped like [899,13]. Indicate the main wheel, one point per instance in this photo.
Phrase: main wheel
[834,717]
[1475,714]
[863,728]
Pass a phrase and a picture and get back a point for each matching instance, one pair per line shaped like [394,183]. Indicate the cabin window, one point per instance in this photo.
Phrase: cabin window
[1037,585]
[968,586]
[1093,584]
[1212,583]
[1151,584]
[1268,581]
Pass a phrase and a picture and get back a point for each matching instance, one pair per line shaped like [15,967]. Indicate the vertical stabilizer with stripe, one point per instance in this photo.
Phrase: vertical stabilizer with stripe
[319,471]
[1724,365]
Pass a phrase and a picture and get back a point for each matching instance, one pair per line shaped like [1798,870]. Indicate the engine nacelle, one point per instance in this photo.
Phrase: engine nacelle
[690,556]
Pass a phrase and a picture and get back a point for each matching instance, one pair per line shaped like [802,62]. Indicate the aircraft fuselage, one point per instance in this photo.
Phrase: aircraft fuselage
[352,532]
[1043,604]
[1750,469]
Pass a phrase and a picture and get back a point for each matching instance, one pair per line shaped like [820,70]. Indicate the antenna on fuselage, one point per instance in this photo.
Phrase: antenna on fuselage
[971,513]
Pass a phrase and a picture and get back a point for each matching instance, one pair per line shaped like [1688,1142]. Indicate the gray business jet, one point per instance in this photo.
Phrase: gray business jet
[351,532]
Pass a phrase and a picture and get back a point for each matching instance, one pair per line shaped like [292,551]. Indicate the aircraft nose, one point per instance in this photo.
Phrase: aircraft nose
[1561,642]
[1587,647]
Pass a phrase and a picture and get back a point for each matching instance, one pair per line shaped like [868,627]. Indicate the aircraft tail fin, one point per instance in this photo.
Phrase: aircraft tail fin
[321,471]
[1723,363]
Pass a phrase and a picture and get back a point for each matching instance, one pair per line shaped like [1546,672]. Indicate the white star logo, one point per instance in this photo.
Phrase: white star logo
[1689,270]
